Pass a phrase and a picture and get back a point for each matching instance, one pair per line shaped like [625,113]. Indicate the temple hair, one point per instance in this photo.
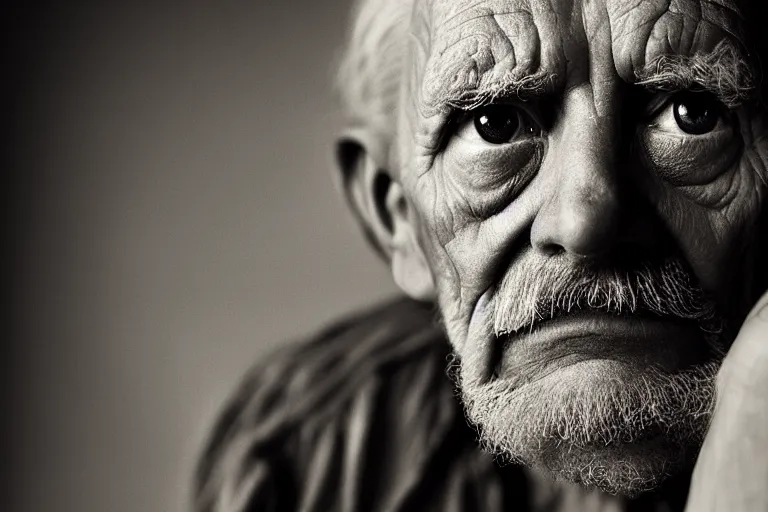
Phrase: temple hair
[370,67]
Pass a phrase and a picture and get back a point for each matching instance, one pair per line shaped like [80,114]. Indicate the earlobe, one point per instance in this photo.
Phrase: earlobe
[410,269]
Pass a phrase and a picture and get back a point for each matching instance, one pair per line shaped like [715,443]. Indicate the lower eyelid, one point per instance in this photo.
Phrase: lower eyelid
[488,154]
[512,145]
[689,159]
[495,166]
[715,137]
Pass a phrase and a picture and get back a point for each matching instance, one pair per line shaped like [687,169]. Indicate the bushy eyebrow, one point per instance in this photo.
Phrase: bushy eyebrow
[523,88]
[723,72]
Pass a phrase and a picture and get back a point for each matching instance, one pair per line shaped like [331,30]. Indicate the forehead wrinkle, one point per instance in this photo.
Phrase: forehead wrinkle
[725,15]
[467,16]
[645,30]
[728,5]
[478,52]
[470,57]
[459,17]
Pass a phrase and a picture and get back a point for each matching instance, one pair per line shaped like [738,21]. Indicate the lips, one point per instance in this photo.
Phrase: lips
[640,341]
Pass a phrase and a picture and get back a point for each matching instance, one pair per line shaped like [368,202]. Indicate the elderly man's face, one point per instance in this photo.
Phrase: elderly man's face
[584,182]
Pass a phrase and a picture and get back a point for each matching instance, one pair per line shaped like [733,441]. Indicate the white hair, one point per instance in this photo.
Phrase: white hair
[368,78]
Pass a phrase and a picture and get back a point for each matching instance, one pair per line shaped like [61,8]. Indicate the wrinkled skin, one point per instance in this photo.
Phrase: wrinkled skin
[601,177]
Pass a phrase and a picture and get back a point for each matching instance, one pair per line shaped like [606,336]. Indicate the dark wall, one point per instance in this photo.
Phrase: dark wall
[172,219]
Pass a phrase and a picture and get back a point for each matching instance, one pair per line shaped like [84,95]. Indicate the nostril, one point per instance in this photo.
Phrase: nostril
[551,249]
[580,229]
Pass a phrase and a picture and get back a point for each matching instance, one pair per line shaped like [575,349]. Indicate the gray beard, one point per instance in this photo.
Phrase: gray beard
[623,436]
[620,427]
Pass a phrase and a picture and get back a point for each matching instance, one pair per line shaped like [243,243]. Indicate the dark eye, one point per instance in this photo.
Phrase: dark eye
[697,113]
[499,124]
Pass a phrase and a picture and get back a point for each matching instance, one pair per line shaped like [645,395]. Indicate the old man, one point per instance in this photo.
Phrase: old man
[571,193]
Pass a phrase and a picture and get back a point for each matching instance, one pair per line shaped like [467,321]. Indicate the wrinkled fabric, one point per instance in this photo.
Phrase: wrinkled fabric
[363,417]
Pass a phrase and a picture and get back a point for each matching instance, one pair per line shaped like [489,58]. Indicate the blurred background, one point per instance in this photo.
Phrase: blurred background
[173,219]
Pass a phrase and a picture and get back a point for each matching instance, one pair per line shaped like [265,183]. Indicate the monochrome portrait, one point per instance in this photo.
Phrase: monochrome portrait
[390,255]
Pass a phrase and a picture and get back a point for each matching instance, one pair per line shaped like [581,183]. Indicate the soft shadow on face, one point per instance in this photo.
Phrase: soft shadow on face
[605,376]
[592,153]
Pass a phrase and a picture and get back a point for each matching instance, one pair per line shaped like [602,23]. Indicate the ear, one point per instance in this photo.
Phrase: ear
[378,203]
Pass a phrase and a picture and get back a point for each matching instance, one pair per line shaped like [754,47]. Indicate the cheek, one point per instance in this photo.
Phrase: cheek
[457,200]
[491,177]
[712,223]
[709,191]
[438,210]
[446,228]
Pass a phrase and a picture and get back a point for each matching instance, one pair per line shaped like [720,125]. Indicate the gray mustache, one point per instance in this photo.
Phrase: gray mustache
[534,291]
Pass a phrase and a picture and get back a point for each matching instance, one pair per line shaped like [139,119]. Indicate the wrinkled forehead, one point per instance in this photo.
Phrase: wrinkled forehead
[461,45]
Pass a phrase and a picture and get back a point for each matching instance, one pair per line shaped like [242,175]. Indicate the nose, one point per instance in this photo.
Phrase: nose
[580,212]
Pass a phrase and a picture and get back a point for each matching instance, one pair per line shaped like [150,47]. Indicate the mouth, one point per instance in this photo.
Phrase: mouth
[639,340]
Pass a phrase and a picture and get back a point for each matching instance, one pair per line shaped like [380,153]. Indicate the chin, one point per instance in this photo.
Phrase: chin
[626,469]
[620,427]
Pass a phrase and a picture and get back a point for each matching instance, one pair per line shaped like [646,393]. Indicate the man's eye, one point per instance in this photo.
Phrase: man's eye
[693,139]
[498,124]
[694,113]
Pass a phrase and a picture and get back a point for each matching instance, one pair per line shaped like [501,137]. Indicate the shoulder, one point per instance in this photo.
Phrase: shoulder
[311,412]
